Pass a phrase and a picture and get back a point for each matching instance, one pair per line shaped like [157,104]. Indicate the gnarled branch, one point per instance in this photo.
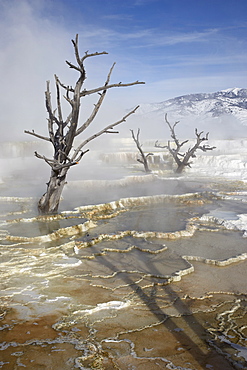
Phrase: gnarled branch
[183,159]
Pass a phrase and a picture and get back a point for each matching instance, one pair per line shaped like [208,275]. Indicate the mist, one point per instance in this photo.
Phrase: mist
[33,48]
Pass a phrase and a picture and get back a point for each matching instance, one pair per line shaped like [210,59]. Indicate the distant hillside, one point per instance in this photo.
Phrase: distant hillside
[223,113]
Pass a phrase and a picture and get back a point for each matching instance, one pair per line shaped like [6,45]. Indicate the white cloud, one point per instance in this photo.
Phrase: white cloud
[148,37]
[174,38]
[184,61]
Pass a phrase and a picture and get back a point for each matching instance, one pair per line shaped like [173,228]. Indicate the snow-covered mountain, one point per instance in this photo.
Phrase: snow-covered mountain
[225,102]
[222,112]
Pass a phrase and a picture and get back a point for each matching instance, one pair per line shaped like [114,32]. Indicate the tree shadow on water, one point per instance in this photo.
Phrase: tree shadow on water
[207,358]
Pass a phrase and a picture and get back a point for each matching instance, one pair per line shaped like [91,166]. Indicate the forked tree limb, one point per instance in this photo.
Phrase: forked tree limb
[56,166]
[183,159]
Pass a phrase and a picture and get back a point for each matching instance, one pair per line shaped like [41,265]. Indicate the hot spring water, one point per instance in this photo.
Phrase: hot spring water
[136,272]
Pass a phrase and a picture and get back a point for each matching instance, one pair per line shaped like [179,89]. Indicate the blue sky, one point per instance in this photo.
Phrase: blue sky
[177,47]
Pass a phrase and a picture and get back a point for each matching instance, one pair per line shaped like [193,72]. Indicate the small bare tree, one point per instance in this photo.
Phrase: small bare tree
[144,157]
[183,159]
[62,131]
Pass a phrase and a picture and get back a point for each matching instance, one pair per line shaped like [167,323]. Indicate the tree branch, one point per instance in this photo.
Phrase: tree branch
[37,135]
[104,130]
[157,145]
[93,55]
[60,116]
[97,105]
[120,84]
[56,166]
[67,88]
[47,160]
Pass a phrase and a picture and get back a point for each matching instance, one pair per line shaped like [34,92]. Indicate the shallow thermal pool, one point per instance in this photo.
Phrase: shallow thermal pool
[148,273]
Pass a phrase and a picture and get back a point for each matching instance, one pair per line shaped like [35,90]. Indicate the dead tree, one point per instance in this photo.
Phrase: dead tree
[62,131]
[144,157]
[183,159]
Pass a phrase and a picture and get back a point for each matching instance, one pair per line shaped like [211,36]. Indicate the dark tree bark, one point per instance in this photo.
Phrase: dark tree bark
[62,131]
[183,159]
[144,157]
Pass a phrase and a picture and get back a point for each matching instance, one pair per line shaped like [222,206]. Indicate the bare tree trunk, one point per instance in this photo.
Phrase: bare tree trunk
[180,168]
[49,202]
[144,157]
[145,164]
